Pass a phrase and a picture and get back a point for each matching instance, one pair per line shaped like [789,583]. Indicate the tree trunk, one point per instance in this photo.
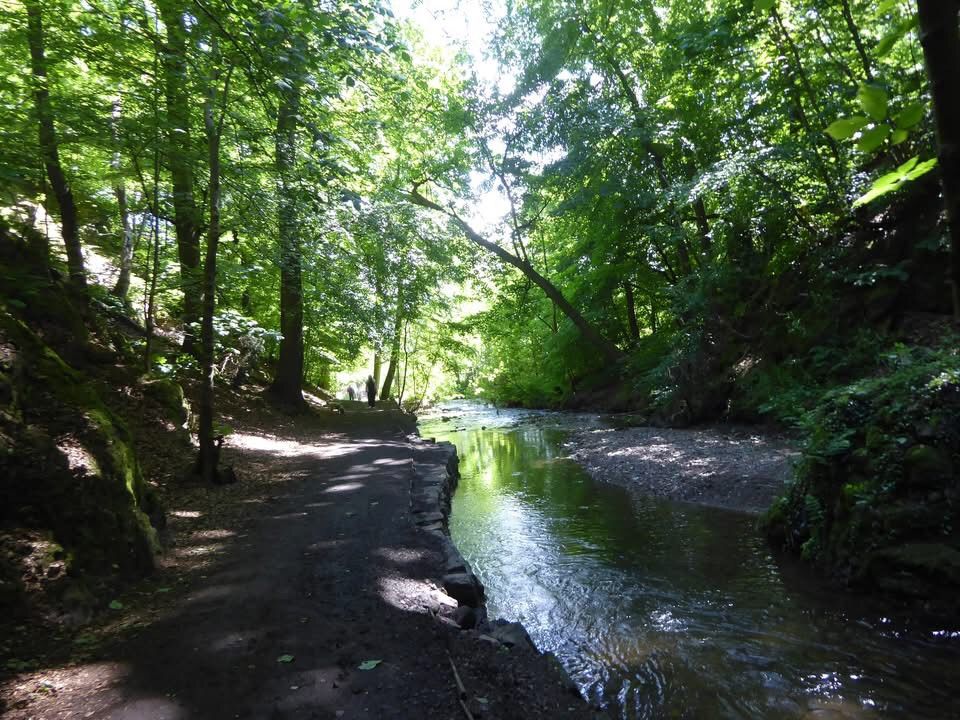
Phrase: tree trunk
[207,458]
[187,219]
[287,385]
[394,349]
[703,226]
[377,366]
[631,311]
[122,286]
[152,270]
[120,191]
[406,364]
[609,350]
[391,370]
[857,40]
[49,149]
[940,39]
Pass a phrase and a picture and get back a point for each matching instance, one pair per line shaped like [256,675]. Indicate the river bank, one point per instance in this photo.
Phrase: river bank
[659,608]
[307,589]
[737,468]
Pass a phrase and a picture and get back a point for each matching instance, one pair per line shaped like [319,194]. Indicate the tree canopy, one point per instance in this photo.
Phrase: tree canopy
[692,190]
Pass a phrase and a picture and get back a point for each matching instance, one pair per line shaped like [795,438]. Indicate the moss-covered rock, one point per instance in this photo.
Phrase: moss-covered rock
[878,476]
[169,394]
[922,570]
[67,465]
[926,466]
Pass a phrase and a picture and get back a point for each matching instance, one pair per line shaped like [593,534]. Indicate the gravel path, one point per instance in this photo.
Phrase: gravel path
[734,468]
[325,601]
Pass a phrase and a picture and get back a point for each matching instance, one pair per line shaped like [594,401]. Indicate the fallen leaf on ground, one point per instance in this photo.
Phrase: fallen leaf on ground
[369,664]
[285,659]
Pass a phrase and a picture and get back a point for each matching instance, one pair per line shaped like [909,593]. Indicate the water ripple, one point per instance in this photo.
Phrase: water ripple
[661,610]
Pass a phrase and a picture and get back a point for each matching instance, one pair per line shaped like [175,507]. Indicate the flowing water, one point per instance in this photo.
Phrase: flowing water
[661,609]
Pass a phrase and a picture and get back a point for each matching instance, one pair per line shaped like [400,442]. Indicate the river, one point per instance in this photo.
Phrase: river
[660,609]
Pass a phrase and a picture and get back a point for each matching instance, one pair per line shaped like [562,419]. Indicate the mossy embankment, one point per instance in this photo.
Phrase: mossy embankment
[71,477]
[76,515]
[876,496]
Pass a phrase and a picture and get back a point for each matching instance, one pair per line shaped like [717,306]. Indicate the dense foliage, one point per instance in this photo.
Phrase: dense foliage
[688,175]
[875,494]
[714,210]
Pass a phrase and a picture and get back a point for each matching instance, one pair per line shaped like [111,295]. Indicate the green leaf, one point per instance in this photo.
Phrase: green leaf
[910,170]
[844,128]
[908,165]
[368,664]
[873,100]
[898,137]
[285,659]
[873,138]
[764,5]
[909,116]
[885,7]
[922,169]
[890,40]
[115,605]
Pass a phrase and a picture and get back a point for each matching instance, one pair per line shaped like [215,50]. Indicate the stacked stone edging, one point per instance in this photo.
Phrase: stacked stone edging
[433,481]
[434,478]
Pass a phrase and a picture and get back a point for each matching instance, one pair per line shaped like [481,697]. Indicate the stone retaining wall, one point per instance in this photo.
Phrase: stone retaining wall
[434,479]
[435,476]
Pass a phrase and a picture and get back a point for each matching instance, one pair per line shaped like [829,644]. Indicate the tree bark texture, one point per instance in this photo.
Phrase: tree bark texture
[394,349]
[187,220]
[609,350]
[940,39]
[207,457]
[287,385]
[122,286]
[49,148]
[857,40]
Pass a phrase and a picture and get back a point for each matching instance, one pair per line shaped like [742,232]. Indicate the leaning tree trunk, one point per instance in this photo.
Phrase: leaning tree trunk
[49,148]
[287,385]
[187,219]
[377,365]
[394,349]
[609,350]
[940,38]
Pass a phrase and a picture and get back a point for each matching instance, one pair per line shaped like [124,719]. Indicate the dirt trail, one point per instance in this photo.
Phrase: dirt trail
[326,571]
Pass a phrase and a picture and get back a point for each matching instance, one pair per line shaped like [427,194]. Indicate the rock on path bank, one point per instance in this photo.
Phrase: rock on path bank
[733,468]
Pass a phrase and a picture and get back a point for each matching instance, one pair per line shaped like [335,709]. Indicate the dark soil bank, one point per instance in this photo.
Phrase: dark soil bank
[735,468]
[325,575]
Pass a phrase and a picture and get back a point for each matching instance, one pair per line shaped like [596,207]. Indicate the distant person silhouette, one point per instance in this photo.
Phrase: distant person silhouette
[371,391]
[351,393]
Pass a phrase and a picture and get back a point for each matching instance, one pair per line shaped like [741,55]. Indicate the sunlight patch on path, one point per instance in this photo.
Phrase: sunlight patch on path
[288,448]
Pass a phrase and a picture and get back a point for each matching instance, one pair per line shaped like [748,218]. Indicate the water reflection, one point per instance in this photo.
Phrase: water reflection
[661,609]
